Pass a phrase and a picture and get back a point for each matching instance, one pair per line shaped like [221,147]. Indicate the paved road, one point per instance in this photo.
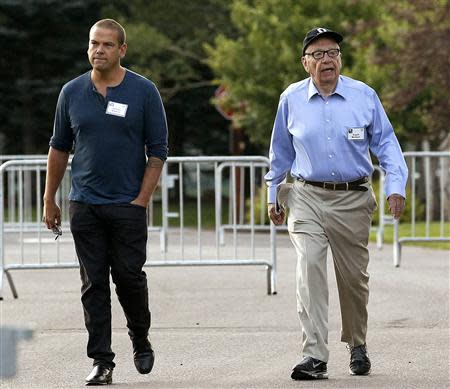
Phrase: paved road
[214,327]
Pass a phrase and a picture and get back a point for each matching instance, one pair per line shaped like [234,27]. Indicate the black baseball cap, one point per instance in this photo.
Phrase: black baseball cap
[320,32]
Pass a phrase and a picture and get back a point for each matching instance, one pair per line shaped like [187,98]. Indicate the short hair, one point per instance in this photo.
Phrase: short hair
[112,25]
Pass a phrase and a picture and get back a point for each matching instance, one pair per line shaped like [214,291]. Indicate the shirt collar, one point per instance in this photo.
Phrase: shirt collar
[312,90]
[340,88]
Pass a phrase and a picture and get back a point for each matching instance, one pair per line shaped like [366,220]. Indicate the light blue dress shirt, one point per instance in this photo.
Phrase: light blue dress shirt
[328,138]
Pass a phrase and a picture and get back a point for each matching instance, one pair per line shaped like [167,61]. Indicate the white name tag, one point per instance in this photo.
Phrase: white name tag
[116,109]
[356,133]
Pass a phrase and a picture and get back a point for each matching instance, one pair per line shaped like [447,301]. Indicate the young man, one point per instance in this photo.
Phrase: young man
[113,118]
[324,128]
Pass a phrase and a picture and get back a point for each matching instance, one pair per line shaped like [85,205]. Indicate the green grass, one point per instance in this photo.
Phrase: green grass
[208,222]
[406,231]
[190,214]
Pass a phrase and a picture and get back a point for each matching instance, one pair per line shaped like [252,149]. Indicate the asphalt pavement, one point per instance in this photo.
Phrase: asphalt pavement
[215,327]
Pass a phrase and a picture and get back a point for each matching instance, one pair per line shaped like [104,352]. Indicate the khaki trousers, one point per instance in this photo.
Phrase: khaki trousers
[341,219]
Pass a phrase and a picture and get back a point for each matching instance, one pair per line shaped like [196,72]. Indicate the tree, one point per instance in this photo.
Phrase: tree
[46,42]
[265,57]
[165,43]
[399,48]
[413,51]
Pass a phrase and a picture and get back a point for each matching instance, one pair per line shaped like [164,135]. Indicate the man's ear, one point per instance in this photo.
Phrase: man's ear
[305,65]
[123,50]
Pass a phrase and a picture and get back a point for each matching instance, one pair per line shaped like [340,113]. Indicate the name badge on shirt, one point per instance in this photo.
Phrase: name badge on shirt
[116,109]
[355,133]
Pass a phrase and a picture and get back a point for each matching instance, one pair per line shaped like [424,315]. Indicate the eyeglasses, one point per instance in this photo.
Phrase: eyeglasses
[319,54]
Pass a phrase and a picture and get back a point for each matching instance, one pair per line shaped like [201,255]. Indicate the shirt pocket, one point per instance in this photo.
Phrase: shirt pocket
[355,138]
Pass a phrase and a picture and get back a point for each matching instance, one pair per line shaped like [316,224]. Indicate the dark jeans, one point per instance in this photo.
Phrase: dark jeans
[111,238]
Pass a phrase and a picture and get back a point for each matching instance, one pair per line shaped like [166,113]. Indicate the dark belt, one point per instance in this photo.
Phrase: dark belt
[352,185]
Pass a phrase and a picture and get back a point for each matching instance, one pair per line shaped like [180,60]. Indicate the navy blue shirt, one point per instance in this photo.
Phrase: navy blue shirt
[110,135]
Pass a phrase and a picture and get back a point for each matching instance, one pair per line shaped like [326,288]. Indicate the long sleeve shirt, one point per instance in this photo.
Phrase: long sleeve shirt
[110,135]
[328,139]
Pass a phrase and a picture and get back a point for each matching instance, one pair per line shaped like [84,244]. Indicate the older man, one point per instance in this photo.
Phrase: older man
[323,131]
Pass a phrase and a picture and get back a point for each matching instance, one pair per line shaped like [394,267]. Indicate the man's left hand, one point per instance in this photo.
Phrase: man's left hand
[396,205]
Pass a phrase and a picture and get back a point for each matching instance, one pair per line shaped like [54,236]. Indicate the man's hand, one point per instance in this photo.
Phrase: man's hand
[396,205]
[51,214]
[149,182]
[139,202]
[277,218]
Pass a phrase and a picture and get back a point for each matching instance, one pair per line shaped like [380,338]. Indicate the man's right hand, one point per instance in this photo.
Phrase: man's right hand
[277,218]
[51,214]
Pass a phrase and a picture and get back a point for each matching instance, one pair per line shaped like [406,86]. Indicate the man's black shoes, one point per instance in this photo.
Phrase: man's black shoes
[310,369]
[359,360]
[100,375]
[143,354]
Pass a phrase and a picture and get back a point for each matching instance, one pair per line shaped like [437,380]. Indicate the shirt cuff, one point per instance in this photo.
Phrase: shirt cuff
[272,194]
[395,187]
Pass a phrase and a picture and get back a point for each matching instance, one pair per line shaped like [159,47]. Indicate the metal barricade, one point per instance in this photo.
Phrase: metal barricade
[17,226]
[383,219]
[188,247]
[20,215]
[197,176]
[21,205]
[244,182]
[432,169]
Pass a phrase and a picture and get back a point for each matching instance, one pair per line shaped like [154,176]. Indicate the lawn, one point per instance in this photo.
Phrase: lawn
[406,231]
[208,222]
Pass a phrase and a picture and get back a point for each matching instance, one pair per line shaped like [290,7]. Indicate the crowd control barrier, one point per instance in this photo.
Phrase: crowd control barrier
[187,184]
[241,201]
[429,191]
[21,203]
[383,218]
[239,220]
[199,182]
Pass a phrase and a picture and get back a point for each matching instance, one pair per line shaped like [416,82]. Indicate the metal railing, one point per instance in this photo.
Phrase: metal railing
[192,174]
[383,219]
[23,218]
[247,181]
[21,205]
[432,169]
[188,247]
[168,181]
[238,220]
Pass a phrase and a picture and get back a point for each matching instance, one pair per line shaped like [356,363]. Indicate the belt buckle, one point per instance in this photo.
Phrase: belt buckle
[327,185]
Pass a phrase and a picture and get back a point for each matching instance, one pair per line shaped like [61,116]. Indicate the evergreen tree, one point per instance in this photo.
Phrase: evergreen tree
[46,43]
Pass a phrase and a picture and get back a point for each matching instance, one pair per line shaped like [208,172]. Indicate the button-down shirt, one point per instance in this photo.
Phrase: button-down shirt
[327,139]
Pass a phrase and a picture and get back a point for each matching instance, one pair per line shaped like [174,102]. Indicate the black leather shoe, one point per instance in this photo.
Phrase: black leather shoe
[100,375]
[359,360]
[144,357]
[310,369]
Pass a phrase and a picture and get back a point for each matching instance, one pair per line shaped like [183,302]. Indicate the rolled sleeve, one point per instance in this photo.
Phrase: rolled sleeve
[62,138]
[156,132]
